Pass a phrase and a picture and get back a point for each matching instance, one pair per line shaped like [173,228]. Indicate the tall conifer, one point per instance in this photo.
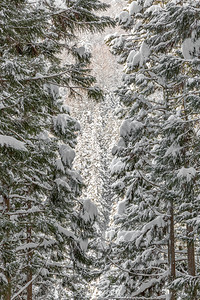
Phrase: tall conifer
[45,231]
[156,164]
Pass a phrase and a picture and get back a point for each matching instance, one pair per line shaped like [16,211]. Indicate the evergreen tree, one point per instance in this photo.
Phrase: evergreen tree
[45,230]
[157,155]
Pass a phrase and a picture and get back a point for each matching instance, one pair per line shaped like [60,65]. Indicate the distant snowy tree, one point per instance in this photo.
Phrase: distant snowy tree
[45,231]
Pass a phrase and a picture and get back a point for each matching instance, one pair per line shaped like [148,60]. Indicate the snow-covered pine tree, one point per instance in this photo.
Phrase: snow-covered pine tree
[161,68]
[44,228]
[138,266]
[177,159]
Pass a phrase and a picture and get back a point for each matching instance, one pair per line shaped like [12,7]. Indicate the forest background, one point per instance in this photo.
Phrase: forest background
[97,227]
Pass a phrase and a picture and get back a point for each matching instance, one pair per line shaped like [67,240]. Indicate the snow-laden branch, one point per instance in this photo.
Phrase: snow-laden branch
[134,273]
[153,184]
[162,297]
[40,76]
[28,283]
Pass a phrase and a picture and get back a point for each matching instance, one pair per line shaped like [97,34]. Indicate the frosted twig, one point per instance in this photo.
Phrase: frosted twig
[130,272]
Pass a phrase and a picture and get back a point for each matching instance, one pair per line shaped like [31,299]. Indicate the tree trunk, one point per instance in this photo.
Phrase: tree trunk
[190,250]
[191,257]
[30,287]
[7,273]
[29,262]
[8,290]
[171,250]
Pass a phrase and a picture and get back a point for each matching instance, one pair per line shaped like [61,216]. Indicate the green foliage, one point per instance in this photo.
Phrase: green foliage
[156,159]
[45,230]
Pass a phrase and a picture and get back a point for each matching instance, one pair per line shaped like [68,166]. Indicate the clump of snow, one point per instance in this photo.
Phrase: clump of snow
[120,236]
[3,278]
[137,235]
[110,234]
[117,42]
[139,77]
[62,183]
[158,221]
[27,246]
[65,231]
[144,51]
[187,48]
[82,52]
[152,282]
[148,3]
[136,125]
[74,175]
[114,150]
[89,210]
[121,290]
[44,136]
[153,8]
[123,17]
[188,173]
[111,36]
[65,108]
[61,4]
[44,272]
[127,236]
[121,207]
[67,154]
[190,48]
[62,122]
[12,142]
[83,244]
[134,8]
[172,121]
[38,76]
[59,165]
[53,90]
[133,59]
[121,143]
[136,58]
[116,166]
[125,128]
[129,126]
[173,150]
[130,57]
[13,218]
[137,26]
[47,243]
[119,185]
[191,80]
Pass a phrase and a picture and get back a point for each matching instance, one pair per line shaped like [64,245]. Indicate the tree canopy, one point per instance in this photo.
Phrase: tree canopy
[45,228]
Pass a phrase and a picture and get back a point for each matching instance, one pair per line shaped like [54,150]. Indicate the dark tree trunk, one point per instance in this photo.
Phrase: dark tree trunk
[191,257]
[171,250]
[190,251]
[29,262]
[8,290]
[7,273]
